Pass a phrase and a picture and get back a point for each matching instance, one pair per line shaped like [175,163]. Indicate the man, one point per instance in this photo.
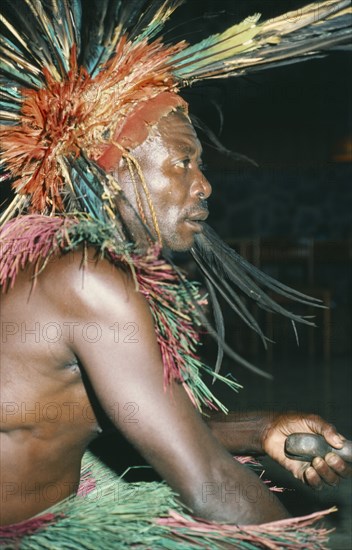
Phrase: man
[67,334]
[168,431]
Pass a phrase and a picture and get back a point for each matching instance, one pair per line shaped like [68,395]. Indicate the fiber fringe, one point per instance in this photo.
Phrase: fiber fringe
[111,513]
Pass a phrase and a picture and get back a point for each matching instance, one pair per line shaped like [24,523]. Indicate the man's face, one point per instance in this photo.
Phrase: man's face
[170,160]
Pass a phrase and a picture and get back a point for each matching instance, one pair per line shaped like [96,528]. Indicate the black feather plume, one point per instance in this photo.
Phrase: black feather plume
[226,271]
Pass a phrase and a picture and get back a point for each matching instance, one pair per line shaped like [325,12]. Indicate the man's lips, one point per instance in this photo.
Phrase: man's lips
[196,219]
[198,216]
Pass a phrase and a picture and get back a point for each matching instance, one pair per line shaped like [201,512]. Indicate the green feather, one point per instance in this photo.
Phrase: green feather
[217,47]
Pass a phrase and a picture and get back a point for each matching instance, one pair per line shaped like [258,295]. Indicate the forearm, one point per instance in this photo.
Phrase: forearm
[240,432]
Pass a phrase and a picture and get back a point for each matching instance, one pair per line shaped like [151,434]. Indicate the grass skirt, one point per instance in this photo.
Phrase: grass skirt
[109,513]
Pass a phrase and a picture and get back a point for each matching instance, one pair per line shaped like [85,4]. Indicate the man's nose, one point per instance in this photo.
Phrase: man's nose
[201,188]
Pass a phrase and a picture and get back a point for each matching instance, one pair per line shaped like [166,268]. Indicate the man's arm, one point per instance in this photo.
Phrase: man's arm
[127,376]
[265,433]
[239,432]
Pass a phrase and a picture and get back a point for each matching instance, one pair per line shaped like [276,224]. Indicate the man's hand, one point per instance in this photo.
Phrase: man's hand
[329,469]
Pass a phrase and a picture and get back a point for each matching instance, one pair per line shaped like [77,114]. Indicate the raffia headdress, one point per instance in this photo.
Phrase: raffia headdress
[84,80]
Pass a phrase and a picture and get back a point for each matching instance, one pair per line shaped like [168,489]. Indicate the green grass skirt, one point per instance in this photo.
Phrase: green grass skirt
[109,513]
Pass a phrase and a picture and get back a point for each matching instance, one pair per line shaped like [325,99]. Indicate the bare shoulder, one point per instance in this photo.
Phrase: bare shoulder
[106,320]
[83,286]
[76,300]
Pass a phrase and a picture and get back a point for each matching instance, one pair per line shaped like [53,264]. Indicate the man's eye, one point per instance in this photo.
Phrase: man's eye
[183,163]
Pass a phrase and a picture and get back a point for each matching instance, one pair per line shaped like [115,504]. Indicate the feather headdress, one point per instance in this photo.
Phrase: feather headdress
[74,73]
[82,82]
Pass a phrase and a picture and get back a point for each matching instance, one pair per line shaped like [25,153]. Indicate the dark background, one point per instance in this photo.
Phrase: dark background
[295,115]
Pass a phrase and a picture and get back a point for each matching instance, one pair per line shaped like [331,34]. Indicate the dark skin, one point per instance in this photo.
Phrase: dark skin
[47,420]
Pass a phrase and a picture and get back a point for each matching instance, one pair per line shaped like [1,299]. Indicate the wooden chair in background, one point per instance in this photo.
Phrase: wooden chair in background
[296,263]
